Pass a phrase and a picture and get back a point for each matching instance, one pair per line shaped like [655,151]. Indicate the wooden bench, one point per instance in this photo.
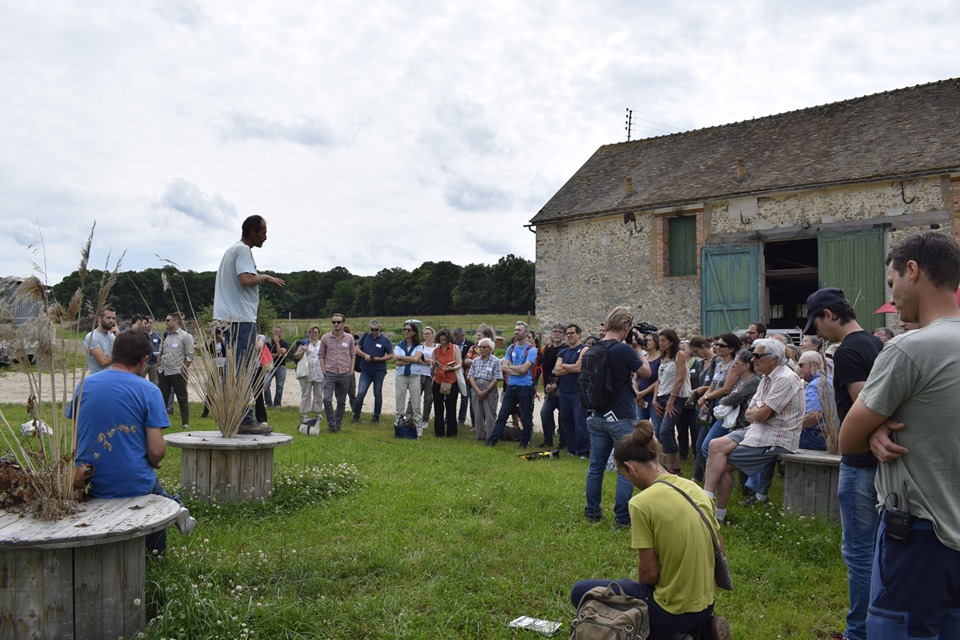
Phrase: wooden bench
[810,483]
[82,576]
[214,468]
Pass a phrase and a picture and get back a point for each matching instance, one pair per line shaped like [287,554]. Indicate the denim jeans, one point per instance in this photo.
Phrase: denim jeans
[278,373]
[242,337]
[916,587]
[573,424]
[603,436]
[859,518]
[512,395]
[375,377]
[716,431]
[700,467]
[551,404]
[667,429]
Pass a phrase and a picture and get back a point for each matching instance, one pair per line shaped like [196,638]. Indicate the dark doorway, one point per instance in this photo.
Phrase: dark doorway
[791,276]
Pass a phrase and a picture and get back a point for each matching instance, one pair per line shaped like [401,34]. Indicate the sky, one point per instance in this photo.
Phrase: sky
[385,134]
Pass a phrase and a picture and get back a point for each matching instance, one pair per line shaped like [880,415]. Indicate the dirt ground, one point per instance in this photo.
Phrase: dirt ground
[15,388]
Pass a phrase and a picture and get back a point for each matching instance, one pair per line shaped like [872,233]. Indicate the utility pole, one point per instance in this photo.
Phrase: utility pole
[629,126]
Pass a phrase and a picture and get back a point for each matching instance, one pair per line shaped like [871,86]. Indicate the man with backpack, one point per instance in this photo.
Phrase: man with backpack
[606,370]
[518,363]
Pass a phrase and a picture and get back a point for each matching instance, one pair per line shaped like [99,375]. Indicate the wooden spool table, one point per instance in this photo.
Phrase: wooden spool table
[214,468]
[82,576]
[810,483]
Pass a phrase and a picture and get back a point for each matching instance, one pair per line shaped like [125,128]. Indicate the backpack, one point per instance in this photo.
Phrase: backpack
[404,428]
[595,384]
[604,614]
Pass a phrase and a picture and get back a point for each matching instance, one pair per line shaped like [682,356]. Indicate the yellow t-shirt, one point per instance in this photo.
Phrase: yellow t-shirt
[664,521]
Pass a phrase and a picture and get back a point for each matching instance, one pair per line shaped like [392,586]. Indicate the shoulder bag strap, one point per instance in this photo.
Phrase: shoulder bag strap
[713,536]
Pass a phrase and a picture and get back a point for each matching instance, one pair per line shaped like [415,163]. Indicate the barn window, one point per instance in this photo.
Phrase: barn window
[682,246]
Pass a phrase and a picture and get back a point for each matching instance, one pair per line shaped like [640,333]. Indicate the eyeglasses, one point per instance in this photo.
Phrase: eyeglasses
[336,322]
[757,356]
[720,345]
[374,328]
[405,329]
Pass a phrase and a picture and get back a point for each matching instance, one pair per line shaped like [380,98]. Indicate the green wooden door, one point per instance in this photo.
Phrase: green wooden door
[854,262]
[729,289]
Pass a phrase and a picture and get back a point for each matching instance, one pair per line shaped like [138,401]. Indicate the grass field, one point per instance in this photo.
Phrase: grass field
[372,537]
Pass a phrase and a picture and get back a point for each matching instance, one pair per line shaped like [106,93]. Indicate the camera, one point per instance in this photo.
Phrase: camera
[637,331]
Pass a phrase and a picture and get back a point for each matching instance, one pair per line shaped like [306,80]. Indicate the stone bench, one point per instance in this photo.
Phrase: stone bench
[214,468]
[81,576]
[810,484]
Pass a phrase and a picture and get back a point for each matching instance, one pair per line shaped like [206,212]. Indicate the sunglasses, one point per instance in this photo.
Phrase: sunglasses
[336,322]
[757,356]
[720,345]
[405,329]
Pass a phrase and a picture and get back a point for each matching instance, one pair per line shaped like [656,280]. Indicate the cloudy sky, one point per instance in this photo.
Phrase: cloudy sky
[386,133]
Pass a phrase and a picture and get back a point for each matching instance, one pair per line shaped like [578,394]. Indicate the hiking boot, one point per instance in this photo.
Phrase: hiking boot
[622,525]
[254,429]
[720,628]
[185,522]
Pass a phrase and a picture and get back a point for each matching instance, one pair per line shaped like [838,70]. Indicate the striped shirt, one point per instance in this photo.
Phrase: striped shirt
[781,391]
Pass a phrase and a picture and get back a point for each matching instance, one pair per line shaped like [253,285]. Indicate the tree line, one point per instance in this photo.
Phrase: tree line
[433,288]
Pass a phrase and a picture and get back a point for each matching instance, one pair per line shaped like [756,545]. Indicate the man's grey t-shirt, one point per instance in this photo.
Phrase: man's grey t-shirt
[232,301]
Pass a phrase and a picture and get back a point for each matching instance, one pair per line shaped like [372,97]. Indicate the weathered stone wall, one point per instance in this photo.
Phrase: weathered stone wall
[826,206]
[587,267]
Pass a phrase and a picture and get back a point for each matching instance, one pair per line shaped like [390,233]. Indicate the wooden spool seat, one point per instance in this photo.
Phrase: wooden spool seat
[214,468]
[810,483]
[82,576]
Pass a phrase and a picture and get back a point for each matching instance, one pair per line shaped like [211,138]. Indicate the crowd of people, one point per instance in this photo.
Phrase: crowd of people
[733,402]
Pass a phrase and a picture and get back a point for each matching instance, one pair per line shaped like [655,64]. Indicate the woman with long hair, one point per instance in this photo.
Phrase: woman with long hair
[426,372]
[407,355]
[645,387]
[726,346]
[671,392]
[446,361]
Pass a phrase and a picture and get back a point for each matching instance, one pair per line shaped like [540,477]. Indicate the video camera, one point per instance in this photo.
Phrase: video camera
[637,331]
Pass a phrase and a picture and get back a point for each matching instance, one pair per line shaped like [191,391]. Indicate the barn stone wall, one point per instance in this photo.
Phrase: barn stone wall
[585,268]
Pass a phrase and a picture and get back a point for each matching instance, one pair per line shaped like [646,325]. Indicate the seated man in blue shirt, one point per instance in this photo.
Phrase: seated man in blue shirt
[129,413]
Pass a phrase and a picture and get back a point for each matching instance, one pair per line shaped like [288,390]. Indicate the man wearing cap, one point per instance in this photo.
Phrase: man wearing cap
[916,578]
[832,317]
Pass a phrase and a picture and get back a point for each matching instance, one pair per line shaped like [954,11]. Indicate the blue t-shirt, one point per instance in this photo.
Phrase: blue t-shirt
[375,348]
[569,355]
[125,404]
[623,362]
[517,356]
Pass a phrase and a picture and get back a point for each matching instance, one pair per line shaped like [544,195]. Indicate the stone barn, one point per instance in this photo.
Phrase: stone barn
[709,230]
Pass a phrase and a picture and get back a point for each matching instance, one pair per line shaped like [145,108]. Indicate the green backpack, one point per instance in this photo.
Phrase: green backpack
[605,614]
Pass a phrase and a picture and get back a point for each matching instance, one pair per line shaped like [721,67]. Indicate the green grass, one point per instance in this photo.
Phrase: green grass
[449,539]
[372,537]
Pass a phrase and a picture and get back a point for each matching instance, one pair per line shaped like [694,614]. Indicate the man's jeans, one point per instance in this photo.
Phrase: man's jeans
[859,518]
[243,336]
[663,624]
[335,383]
[550,404]
[573,424]
[375,377]
[512,395]
[278,373]
[603,436]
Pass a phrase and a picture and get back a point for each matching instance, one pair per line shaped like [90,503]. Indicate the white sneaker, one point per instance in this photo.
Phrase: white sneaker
[185,522]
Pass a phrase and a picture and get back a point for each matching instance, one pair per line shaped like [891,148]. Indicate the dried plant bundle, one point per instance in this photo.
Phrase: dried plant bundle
[42,460]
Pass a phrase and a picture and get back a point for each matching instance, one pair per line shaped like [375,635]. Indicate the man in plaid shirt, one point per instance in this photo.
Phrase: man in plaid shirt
[776,419]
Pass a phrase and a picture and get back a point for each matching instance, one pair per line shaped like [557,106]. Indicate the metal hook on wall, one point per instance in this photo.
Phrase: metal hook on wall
[903,195]
[629,217]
